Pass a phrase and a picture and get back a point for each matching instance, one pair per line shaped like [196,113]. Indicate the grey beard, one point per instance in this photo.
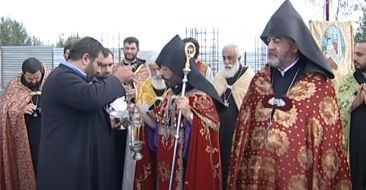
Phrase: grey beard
[229,73]
[158,83]
[274,61]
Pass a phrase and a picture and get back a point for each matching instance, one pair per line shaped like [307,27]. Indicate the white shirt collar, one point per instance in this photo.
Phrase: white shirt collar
[364,74]
[288,68]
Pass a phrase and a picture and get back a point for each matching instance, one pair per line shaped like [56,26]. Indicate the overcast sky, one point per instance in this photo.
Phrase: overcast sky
[153,22]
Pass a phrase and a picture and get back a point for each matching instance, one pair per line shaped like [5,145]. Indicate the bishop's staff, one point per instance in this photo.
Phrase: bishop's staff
[189,50]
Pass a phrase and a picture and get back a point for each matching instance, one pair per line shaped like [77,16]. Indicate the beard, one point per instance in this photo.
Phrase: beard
[100,76]
[158,83]
[32,86]
[230,72]
[274,61]
[90,71]
[133,58]
[359,67]
[279,60]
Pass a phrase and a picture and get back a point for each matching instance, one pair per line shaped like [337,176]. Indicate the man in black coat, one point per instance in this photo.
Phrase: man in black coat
[76,149]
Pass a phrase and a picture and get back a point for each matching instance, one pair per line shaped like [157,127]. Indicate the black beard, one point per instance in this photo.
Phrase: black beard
[100,77]
[33,87]
[131,60]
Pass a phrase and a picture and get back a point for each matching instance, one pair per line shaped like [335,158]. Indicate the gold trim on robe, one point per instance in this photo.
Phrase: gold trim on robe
[239,88]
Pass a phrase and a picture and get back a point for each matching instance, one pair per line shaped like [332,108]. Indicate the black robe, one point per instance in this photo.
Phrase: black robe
[357,142]
[34,130]
[228,122]
[76,148]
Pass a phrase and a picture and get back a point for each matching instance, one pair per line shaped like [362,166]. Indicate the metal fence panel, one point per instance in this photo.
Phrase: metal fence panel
[13,56]
[58,56]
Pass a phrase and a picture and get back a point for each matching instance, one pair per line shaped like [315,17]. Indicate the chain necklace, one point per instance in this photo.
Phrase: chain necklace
[276,102]
[229,87]
[37,109]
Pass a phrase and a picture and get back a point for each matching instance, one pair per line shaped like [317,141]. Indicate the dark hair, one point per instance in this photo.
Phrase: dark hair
[361,41]
[32,65]
[67,46]
[85,45]
[195,42]
[106,52]
[131,40]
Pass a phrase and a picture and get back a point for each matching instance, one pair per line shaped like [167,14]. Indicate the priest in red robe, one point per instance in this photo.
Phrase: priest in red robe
[197,161]
[289,133]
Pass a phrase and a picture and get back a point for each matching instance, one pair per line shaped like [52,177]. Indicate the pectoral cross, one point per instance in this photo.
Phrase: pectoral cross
[226,103]
[269,127]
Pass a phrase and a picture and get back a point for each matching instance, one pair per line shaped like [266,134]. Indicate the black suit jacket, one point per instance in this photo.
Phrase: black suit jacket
[76,148]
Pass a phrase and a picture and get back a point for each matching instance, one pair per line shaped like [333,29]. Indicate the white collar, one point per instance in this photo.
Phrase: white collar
[364,74]
[287,68]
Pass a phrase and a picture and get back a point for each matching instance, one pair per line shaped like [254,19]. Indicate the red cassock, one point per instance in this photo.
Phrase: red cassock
[302,148]
[198,154]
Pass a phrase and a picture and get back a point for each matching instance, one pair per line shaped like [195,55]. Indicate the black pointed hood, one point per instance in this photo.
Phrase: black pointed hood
[287,22]
[173,56]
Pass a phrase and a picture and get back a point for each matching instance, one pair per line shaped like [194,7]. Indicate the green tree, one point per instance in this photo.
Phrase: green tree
[341,8]
[34,41]
[13,33]
[361,26]
[69,40]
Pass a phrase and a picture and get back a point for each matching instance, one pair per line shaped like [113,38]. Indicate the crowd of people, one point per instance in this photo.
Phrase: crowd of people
[284,127]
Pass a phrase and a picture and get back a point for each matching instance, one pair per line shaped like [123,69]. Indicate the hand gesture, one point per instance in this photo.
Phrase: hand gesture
[360,97]
[183,105]
[363,92]
[130,93]
[29,109]
[124,73]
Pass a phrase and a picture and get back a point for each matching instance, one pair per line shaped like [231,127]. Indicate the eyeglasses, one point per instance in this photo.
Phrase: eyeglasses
[104,65]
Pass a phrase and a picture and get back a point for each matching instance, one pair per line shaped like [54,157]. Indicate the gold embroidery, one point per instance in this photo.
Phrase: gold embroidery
[141,178]
[343,185]
[263,86]
[211,149]
[261,113]
[298,182]
[302,90]
[258,134]
[305,157]
[277,142]
[288,118]
[268,169]
[263,168]
[328,110]
[318,182]
[167,135]
[315,131]
[201,102]
[330,163]
[164,171]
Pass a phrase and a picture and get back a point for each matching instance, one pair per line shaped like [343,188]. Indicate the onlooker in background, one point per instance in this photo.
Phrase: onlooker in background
[106,65]
[204,68]
[131,47]
[20,127]
[76,149]
[352,105]
[232,85]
